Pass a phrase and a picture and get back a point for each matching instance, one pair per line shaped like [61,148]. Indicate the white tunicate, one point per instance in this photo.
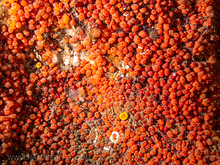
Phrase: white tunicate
[117,137]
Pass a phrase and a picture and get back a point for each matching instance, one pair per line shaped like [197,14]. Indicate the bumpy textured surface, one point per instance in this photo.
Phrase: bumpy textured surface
[112,82]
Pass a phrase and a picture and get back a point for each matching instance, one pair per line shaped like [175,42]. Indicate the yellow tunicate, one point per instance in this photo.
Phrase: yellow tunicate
[123,116]
[38,65]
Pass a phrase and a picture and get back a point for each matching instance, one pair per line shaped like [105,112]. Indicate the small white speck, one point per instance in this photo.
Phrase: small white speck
[140,47]
[174,74]
[106,148]
[81,99]
[124,66]
[91,61]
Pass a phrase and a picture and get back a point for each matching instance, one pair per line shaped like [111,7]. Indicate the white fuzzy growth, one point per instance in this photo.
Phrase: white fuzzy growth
[66,61]
[75,61]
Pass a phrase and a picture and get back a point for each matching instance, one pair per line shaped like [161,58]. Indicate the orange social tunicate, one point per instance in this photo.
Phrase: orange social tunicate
[96,32]
[82,16]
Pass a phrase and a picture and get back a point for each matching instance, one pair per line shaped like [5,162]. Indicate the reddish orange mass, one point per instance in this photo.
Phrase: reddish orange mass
[70,70]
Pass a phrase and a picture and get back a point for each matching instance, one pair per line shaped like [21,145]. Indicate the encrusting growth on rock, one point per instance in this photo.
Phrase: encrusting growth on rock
[109,82]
